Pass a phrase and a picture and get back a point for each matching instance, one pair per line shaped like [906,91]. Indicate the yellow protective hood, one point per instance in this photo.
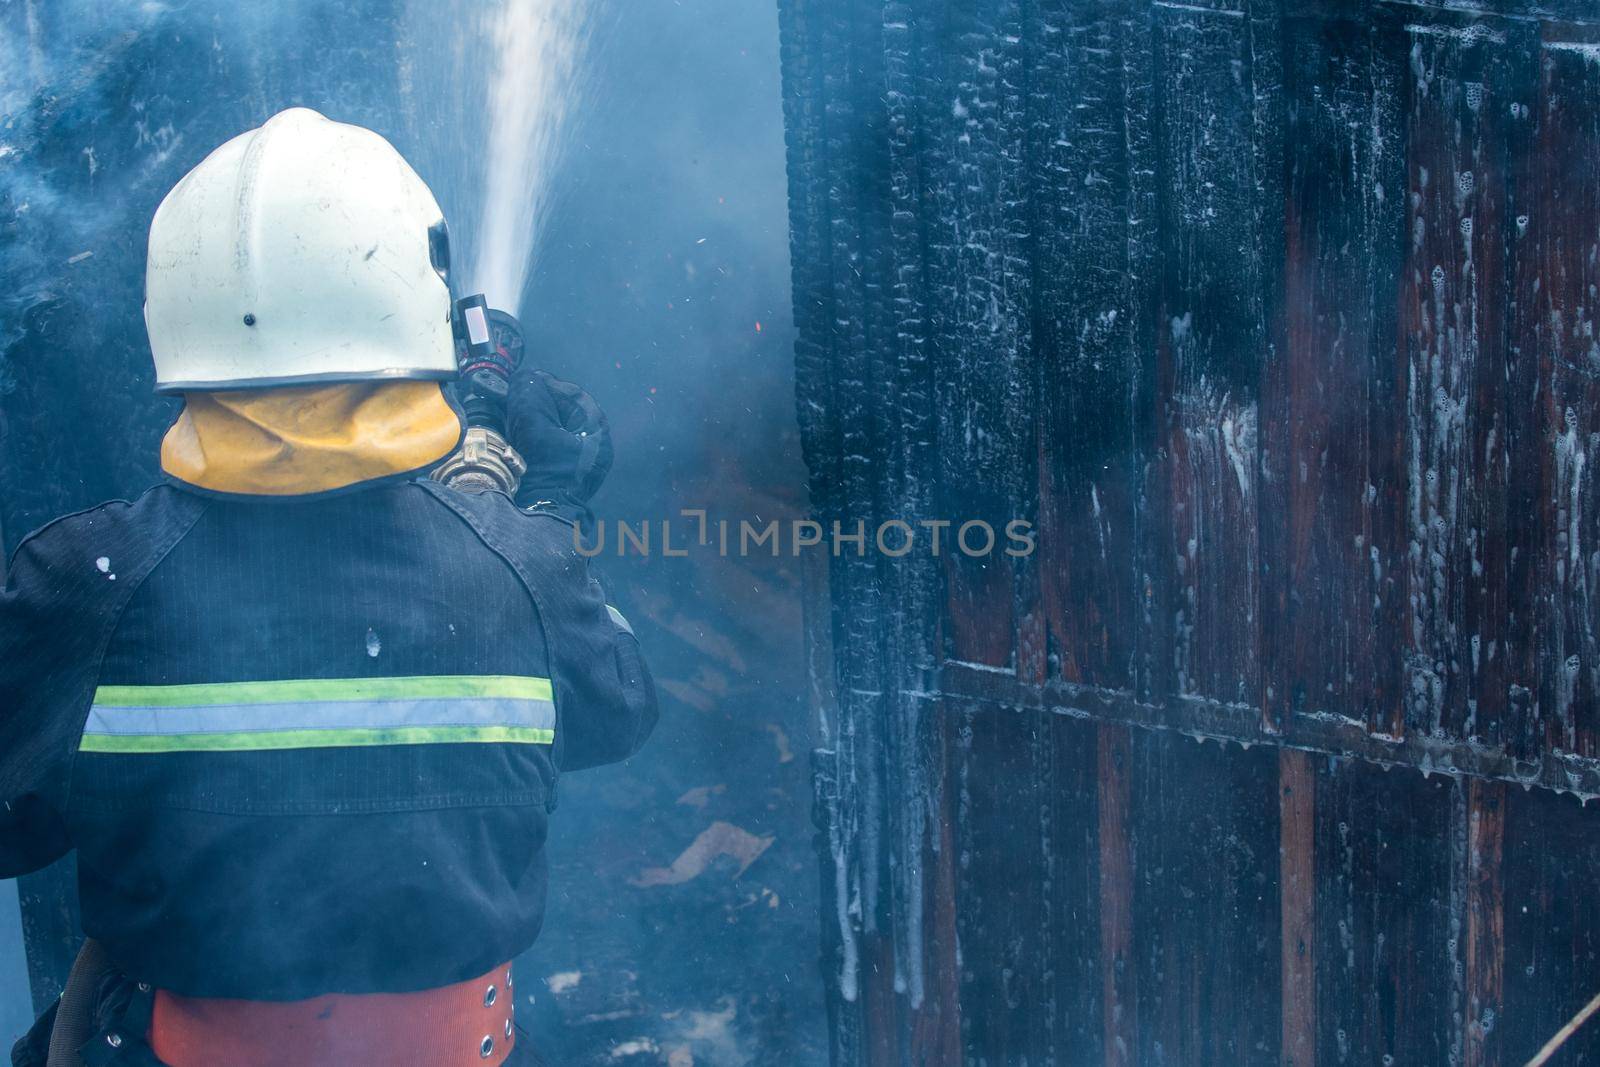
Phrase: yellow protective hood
[308,439]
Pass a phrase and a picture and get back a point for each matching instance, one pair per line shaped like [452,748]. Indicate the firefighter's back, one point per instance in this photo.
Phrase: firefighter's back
[317,723]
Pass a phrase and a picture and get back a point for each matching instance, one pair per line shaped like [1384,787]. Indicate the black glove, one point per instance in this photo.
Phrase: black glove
[562,435]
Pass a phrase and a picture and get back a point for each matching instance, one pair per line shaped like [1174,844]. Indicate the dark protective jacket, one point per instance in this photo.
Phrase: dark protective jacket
[307,745]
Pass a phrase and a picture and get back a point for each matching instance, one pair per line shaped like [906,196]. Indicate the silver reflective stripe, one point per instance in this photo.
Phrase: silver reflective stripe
[321,713]
[326,715]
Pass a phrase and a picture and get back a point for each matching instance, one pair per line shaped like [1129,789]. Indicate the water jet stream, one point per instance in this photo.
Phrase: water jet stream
[492,89]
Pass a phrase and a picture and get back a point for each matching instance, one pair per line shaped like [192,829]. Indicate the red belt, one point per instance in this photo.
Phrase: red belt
[468,1024]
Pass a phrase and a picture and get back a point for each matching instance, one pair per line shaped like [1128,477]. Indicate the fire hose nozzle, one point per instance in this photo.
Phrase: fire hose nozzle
[484,463]
[489,351]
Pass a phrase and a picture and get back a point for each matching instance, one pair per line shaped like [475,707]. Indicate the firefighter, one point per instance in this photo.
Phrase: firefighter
[300,710]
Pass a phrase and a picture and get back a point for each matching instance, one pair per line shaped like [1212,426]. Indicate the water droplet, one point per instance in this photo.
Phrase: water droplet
[374,646]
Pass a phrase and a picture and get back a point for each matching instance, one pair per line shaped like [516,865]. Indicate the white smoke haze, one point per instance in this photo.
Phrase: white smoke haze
[490,94]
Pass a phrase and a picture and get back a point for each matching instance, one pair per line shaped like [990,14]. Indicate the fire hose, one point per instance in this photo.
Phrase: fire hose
[489,351]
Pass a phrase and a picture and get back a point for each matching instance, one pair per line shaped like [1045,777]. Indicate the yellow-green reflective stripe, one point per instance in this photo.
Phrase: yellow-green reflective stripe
[281,739]
[419,687]
[320,713]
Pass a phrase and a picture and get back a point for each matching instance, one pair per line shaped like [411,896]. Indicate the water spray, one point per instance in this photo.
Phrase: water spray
[539,48]
[498,195]
[492,91]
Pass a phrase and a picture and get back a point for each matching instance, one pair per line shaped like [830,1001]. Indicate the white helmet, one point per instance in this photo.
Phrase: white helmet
[304,251]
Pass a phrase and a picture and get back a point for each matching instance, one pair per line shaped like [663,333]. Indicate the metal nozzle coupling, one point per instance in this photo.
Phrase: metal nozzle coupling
[484,463]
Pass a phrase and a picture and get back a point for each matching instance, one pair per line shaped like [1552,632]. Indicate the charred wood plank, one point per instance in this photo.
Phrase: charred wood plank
[1203,822]
[1334,584]
[1084,328]
[1485,920]
[1297,806]
[1451,321]
[1551,860]
[1074,971]
[1388,929]
[1119,973]
[1212,343]
[1562,230]
[1003,926]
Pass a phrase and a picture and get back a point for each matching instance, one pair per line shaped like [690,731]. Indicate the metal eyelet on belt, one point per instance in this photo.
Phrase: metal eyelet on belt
[486,1047]
[508,1029]
[489,997]
[508,977]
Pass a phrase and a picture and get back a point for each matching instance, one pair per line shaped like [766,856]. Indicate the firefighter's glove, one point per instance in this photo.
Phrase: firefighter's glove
[562,435]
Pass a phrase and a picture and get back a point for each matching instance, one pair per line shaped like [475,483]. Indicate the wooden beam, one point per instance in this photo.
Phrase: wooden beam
[1121,1003]
[1485,905]
[1297,894]
[1318,731]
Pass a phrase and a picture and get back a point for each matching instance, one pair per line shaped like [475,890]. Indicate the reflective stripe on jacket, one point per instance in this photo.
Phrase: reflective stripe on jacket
[310,745]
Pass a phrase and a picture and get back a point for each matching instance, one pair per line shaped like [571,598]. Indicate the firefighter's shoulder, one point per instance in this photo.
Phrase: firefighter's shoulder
[508,528]
[116,539]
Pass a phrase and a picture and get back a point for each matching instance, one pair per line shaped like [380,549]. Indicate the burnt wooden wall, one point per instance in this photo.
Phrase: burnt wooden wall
[1278,320]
